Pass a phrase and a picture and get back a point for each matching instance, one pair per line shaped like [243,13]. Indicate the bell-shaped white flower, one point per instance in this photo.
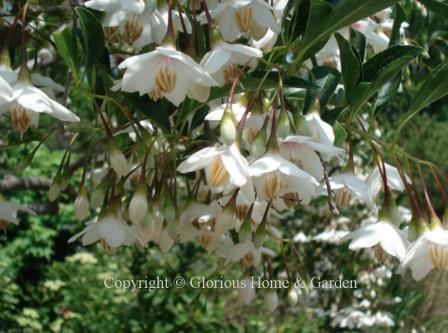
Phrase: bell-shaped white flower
[225,168]
[429,251]
[6,92]
[347,185]
[276,178]
[111,229]
[394,181]
[150,227]
[168,73]
[141,29]
[382,234]
[28,102]
[301,150]
[8,213]
[244,17]
[118,160]
[116,10]
[44,82]
[321,131]
[223,61]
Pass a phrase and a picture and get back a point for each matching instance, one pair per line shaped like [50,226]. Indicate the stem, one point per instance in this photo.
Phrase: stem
[425,192]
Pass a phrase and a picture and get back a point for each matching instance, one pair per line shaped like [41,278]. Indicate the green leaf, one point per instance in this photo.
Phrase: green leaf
[351,67]
[400,17]
[438,7]
[325,19]
[327,78]
[434,87]
[381,68]
[340,134]
[67,46]
[92,36]
[359,43]
[383,60]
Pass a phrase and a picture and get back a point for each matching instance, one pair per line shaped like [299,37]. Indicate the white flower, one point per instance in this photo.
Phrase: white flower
[381,234]
[215,114]
[8,213]
[321,131]
[150,227]
[348,184]
[225,169]
[111,229]
[118,160]
[301,150]
[429,251]
[244,17]
[394,182]
[116,10]
[5,92]
[139,30]
[373,33]
[276,178]
[28,102]
[166,72]
[223,60]
[39,80]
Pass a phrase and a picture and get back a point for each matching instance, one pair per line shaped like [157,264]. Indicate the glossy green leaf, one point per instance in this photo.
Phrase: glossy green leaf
[351,66]
[325,19]
[92,36]
[68,48]
[434,87]
[438,7]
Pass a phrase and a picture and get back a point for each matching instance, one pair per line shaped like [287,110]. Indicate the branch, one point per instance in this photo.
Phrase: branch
[10,184]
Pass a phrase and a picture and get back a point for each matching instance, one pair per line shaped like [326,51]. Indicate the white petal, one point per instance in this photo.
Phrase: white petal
[200,159]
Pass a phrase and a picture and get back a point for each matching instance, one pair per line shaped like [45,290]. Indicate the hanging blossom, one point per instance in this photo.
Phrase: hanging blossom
[236,18]
[223,61]
[428,252]
[112,230]
[9,211]
[165,72]
[26,102]
[116,10]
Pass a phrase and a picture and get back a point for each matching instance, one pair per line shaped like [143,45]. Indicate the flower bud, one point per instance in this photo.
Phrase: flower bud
[271,300]
[283,125]
[258,144]
[301,125]
[55,189]
[292,296]
[168,210]
[246,290]
[82,204]
[117,160]
[165,241]
[225,220]
[228,127]
[139,204]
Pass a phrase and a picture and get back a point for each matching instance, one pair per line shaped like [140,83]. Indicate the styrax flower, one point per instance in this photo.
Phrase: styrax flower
[383,235]
[225,169]
[139,30]
[429,251]
[111,229]
[301,150]
[394,182]
[348,184]
[277,178]
[244,17]
[116,10]
[166,72]
[28,102]
[223,61]
[8,213]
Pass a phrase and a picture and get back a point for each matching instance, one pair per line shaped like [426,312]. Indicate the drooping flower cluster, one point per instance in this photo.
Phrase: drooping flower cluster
[255,154]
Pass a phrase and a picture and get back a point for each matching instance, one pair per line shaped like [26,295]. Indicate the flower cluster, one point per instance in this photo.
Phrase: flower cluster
[256,156]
